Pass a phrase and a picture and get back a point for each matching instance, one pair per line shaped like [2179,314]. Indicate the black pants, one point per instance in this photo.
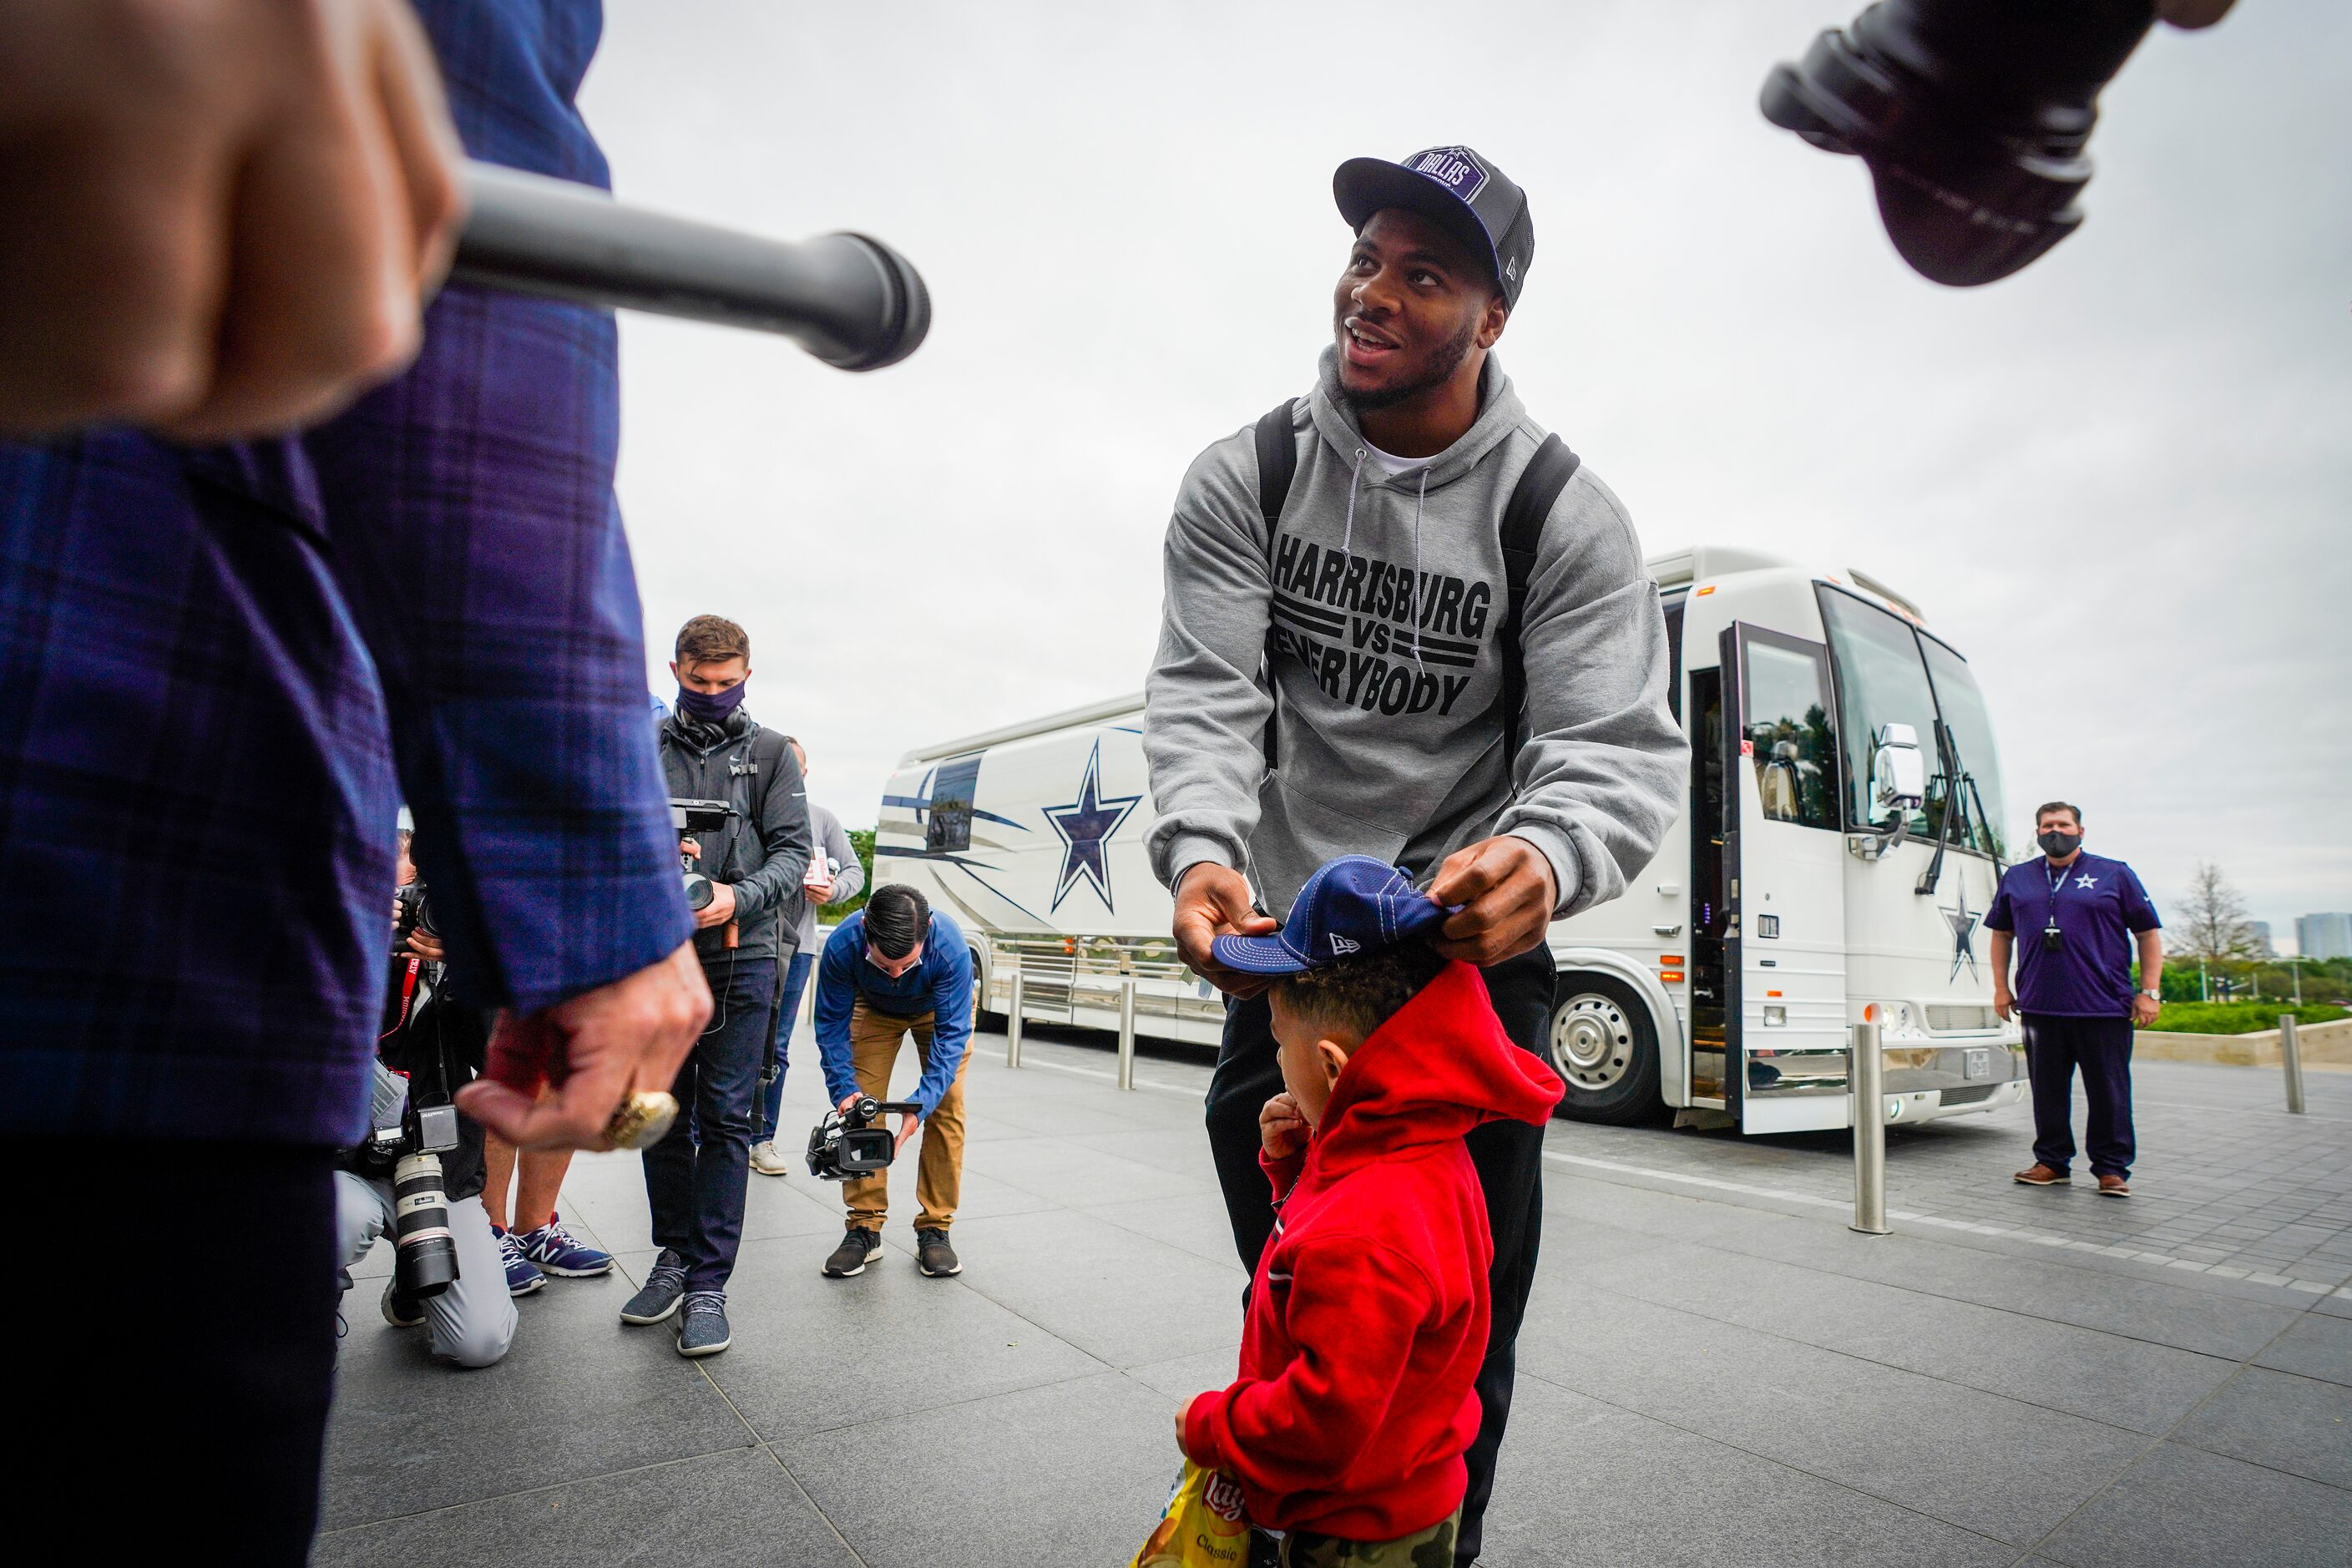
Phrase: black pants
[2055,1044]
[158,1427]
[1509,1159]
[695,1176]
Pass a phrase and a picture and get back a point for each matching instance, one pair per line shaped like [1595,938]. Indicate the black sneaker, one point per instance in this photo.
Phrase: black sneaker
[401,1311]
[850,1257]
[703,1329]
[665,1288]
[935,1256]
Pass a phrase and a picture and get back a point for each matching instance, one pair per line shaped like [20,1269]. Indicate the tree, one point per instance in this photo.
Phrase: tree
[2213,925]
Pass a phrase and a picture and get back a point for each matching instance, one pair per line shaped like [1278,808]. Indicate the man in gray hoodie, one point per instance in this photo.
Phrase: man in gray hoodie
[1402,621]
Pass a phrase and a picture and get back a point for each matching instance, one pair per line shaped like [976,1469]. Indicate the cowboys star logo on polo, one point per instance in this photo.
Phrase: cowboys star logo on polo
[2086,880]
[1452,167]
[1341,946]
[1085,826]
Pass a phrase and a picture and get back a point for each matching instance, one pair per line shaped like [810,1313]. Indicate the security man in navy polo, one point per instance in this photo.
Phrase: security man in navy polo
[2075,918]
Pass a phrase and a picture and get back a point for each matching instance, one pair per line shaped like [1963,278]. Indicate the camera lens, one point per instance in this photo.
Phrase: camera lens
[425,1258]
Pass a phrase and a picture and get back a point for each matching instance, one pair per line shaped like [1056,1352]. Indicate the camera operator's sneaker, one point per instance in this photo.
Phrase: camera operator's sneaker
[664,1288]
[522,1275]
[703,1329]
[401,1311]
[557,1251]
[850,1257]
[767,1160]
[935,1257]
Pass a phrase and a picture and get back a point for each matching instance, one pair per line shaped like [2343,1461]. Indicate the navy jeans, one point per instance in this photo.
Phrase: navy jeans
[796,975]
[2055,1044]
[695,1176]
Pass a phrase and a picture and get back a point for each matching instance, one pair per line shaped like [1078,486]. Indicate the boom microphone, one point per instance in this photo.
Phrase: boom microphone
[852,301]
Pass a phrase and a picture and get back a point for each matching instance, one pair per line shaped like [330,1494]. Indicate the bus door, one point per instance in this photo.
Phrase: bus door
[1783,884]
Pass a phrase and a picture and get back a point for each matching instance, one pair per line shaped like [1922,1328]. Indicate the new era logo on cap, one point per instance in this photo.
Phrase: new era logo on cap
[1455,168]
[1352,905]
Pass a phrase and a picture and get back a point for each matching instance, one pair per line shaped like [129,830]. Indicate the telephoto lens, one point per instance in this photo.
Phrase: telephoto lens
[425,1256]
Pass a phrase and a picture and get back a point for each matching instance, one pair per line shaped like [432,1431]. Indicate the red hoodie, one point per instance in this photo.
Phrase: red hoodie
[1367,1317]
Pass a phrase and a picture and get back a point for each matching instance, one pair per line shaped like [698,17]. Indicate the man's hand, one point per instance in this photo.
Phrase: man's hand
[423,944]
[218,220]
[2144,1011]
[2004,1006]
[1505,885]
[1281,1128]
[1213,900]
[819,892]
[719,910]
[908,1122]
[596,1049]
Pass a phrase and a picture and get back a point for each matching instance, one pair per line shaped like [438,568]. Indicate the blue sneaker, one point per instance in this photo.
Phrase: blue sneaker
[522,1275]
[555,1249]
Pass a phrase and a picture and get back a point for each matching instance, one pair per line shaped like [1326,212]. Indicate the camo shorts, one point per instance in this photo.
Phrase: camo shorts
[1431,1548]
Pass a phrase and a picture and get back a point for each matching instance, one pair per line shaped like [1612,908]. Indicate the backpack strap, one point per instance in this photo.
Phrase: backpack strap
[1278,464]
[1538,491]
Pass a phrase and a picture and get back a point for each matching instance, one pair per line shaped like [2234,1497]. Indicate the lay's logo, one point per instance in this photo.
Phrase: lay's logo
[1452,167]
[1223,1496]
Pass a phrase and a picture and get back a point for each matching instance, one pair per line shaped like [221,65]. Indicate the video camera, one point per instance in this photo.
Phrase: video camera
[848,1142]
[689,817]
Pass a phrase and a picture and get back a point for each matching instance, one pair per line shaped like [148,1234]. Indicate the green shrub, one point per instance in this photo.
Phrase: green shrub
[861,839]
[2239,1017]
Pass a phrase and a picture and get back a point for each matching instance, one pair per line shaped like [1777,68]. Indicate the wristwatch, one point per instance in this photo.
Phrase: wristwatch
[2153,996]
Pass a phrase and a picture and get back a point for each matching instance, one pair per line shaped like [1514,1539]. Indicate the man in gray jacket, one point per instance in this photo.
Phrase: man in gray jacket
[696,1176]
[1402,621]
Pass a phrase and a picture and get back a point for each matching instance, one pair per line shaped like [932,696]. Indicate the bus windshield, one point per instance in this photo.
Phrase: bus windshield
[1880,681]
[1963,714]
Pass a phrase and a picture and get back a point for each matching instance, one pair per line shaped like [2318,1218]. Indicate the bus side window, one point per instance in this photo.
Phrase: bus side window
[1674,610]
[1788,736]
[952,789]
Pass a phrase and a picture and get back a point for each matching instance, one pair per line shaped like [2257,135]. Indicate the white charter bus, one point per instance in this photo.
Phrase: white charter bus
[1839,841]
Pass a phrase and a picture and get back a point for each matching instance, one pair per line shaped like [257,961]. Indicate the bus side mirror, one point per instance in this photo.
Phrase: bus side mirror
[1898,773]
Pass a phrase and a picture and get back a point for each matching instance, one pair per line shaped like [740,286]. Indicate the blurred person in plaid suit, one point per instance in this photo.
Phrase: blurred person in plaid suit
[222,667]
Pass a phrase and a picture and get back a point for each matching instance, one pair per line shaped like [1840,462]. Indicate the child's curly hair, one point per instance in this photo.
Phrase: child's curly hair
[1356,996]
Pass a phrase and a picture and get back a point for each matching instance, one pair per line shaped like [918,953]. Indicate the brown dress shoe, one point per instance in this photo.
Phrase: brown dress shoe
[2040,1175]
[2114,1188]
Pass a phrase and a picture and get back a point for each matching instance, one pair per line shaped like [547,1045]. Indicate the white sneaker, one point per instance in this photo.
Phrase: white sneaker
[767,1161]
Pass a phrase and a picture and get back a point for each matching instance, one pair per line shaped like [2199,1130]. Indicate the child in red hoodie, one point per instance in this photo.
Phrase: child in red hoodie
[1368,1316]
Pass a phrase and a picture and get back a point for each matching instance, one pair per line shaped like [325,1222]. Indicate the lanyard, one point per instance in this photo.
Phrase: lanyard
[2055,883]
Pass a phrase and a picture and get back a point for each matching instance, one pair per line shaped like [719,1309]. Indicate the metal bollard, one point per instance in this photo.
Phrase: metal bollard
[1865,1081]
[1127,1031]
[2291,1058]
[1012,1020]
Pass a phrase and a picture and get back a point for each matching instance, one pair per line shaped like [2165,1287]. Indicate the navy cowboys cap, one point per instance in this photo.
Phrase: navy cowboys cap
[1468,196]
[1352,905]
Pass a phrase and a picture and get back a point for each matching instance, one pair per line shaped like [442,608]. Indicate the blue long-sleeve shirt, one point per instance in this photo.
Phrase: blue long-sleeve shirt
[940,984]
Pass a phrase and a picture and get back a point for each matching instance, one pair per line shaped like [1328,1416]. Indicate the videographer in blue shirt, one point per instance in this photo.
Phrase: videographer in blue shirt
[893,968]
[2081,915]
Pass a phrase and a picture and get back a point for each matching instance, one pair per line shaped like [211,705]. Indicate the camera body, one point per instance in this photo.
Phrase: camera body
[852,1143]
[411,910]
[689,817]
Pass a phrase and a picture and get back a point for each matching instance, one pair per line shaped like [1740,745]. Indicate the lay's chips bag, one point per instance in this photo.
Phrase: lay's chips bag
[1202,1526]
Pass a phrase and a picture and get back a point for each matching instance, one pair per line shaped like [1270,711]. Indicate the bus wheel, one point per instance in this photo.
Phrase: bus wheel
[1605,1050]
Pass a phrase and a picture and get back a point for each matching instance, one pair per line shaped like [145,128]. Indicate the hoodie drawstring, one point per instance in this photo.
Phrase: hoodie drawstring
[1416,569]
[1348,536]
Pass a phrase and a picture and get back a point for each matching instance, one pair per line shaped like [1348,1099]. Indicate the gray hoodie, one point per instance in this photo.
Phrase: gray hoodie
[1386,742]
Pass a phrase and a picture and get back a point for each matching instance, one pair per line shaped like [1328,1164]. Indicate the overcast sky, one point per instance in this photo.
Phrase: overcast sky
[2118,481]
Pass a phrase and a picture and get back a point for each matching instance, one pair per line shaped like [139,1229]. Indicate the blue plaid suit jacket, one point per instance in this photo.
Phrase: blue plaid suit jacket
[221,670]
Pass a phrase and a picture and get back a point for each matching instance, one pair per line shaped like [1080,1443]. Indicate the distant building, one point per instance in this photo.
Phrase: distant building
[2260,931]
[2324,936]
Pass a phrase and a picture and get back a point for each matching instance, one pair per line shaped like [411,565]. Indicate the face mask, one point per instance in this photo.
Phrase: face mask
[2057,844]
[711,706]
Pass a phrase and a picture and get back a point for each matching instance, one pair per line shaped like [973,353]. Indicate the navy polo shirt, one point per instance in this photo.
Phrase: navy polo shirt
[2097,902]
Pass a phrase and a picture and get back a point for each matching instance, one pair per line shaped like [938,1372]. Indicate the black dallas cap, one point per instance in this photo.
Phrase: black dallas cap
[1462,192]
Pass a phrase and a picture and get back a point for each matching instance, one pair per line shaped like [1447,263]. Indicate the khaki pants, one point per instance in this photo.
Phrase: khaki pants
[939,1173]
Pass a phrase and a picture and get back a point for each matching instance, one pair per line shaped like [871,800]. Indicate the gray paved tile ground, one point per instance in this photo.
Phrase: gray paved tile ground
[1710,1374]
